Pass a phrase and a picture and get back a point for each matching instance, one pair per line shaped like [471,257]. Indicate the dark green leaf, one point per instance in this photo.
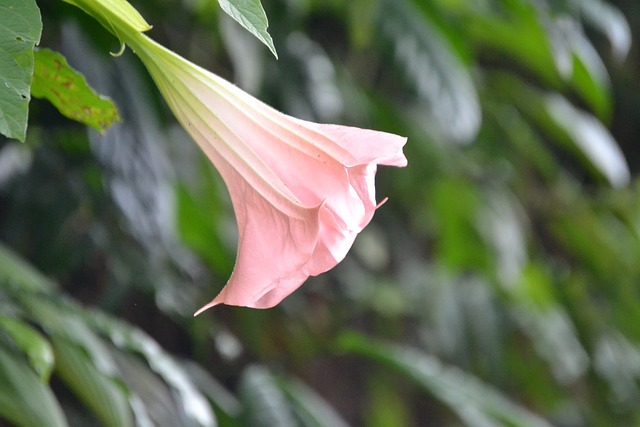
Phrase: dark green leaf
[440,77]
[226,402]
[20,28]
[591,138]
[475,402]
[520,35]
[24,399]
[263,402]
[69,92]
[107,398]
[610,21]
[133,340]
[198,220]
[250,14]
[310,407]
[589,77]
[16,271]
[157,402]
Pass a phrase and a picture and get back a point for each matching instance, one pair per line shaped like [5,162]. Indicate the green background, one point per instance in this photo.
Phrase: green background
[499,285]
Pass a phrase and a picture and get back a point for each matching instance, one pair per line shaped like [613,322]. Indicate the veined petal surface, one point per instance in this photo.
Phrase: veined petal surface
[301,191]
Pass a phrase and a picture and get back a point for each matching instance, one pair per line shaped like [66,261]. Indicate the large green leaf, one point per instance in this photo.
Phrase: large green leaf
[589,77]
[591,138]
[24,399]
[158,402]
[69,92]
[83,360]
[567,125]
[133,340]
[310,407]
[250,14]
[20,28]
[610,21]
[263,402]
[520,33]
[107,398]
[16,271]
[32,343]
[442,81]
[199,215]
[476,403]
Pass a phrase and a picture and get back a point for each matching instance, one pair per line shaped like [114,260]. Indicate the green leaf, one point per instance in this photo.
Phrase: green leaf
[24,400]
[475,402]
[264,404]
[441,79]
[107,399]
[32,343]
[592,138]
[520,34]
[310,407]
[251,15]
[133,340]
[199,214]
[69,92]
[589,77]
[20,28]
[611,22]
[154,397]
[16,271]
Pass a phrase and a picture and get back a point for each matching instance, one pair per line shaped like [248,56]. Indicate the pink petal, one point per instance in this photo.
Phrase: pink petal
[301,191]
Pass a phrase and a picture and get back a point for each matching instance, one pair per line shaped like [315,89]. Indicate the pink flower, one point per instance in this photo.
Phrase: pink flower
[301,191]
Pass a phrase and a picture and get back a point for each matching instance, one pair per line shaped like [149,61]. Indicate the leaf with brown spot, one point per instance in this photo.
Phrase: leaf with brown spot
[68,91]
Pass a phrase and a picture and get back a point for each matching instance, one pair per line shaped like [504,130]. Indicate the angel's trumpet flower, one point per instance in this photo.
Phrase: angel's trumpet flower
[301,191]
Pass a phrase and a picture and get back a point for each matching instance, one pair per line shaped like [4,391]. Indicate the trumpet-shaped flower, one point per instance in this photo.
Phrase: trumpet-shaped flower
[301,191]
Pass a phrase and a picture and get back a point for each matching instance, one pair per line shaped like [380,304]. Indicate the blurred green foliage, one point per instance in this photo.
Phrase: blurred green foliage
[499,285]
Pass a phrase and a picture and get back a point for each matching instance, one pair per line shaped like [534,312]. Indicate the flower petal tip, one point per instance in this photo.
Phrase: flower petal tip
[208,306]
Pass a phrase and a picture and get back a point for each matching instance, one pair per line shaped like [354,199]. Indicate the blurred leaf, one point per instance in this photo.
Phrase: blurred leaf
[388,407]
[589,78]
[441,79]
[618,361]
[264,404]
[15,270]
[556,340]
[456,204]
[592,138]
[86,363]
[567,125]
[198,221]
[476,403]
[36,347]
[599,242]
[59,320]
[226,402]
[156,401]
[531,151]
[134,340]
[520,36]
[24,399]
[311,408]
[610,21]
[107,399]
[20,28]
[250,14]
[69,92]
[534,287]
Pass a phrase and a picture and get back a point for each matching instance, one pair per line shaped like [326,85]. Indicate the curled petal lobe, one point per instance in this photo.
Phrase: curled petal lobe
[301,191]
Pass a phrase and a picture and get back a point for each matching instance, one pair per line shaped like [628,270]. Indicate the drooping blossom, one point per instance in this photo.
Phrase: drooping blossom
[301,191]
